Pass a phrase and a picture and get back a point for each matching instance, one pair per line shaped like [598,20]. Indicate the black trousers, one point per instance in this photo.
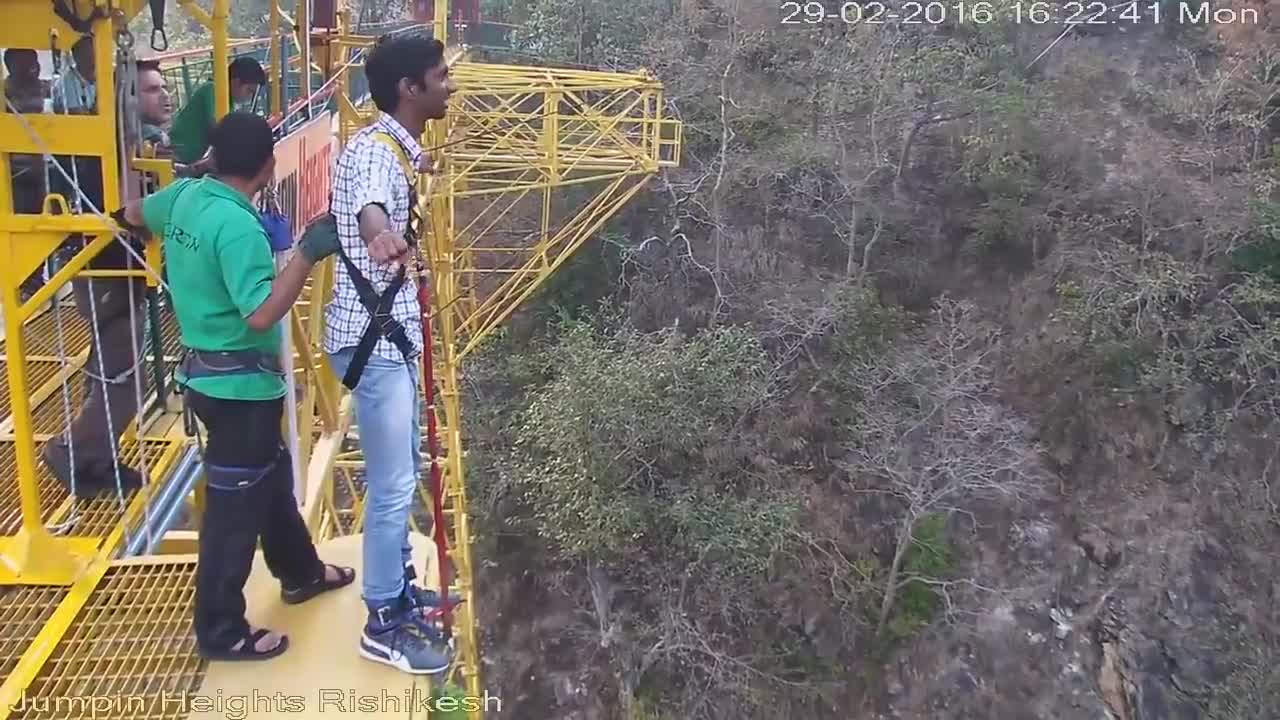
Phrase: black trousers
[118,330]
[249,496]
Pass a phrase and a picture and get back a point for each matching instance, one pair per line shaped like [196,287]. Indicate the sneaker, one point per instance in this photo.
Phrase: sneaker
[389,639]
[427,601]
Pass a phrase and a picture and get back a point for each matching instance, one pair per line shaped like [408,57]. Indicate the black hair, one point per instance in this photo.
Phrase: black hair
[399,55]
[12,54]
[248,71]
[242,144]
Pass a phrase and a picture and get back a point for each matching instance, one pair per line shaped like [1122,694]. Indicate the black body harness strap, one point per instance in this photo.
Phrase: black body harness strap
[207,363]
[196,364]
[381,323]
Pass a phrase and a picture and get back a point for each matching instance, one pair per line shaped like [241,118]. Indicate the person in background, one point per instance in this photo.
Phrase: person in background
[154,106]
[373,201]
[190,132]
[117,305]
[229,301]
[25,92]
[22,84]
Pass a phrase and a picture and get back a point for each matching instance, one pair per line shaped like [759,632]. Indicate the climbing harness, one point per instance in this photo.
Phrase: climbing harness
[382,323]
[234,477]
[379,306]
[198,364]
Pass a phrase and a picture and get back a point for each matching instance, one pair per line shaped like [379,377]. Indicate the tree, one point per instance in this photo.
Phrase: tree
[928,434]
[635,464]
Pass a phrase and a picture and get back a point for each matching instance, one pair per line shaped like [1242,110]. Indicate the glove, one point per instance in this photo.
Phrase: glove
[320,239]
[279,234]
[118,216]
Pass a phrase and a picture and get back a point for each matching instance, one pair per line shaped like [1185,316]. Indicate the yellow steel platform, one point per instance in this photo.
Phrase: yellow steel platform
[320,673]
[530,164]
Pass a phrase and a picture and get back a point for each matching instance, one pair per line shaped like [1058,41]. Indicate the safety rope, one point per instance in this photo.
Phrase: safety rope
[74,517]
[71,521]
[60,92]
[129,117]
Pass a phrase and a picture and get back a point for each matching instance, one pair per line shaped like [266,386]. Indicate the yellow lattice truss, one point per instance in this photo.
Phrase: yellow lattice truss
[531,162]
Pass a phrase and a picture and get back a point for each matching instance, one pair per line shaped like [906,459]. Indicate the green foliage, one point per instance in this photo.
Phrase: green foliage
[1154,322]
[943,69]
[643,708]
[1120,362]
[1262,255]
[455,708]
[593,32]
[582,282]
[930,556]
[630,446]
[1002,160]
[865,326]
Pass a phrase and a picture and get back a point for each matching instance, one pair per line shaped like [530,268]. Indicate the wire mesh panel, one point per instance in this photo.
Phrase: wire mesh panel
[130,653]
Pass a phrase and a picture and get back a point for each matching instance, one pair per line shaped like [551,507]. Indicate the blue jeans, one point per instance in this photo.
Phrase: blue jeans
[388,408]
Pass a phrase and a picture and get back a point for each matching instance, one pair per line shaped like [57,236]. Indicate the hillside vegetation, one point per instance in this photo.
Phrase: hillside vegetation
[939,382]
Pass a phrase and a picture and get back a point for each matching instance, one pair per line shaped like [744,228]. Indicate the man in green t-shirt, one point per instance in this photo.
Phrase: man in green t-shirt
[190,131]
[229,301]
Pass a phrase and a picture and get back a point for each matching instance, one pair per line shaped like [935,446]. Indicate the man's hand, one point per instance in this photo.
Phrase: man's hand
[319,240]
[388,247]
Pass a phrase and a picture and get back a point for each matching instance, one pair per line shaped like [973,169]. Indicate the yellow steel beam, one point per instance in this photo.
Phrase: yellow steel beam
[521,129]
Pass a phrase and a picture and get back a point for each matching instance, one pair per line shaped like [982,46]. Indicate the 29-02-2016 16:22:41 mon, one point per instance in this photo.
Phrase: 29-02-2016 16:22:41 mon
[1035,12]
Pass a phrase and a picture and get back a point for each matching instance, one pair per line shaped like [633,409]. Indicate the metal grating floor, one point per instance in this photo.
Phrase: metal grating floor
[51,493]
[129,653]
[96,516]
[41,332]
[39,372]
[23,612]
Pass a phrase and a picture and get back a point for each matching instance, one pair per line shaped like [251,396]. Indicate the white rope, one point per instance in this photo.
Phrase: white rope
[60,92]
[71,521]
[131,122]
[106,400]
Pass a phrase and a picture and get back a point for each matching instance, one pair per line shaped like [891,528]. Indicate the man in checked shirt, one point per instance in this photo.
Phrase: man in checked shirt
[374,197]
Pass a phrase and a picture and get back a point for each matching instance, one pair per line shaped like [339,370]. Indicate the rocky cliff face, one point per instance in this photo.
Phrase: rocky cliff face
[1141,582]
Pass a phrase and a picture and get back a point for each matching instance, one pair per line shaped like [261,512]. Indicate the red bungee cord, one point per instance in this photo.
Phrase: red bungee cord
[433,448]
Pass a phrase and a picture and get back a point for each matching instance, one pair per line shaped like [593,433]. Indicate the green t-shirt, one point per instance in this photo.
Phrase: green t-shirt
[189,133]
[220,269]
